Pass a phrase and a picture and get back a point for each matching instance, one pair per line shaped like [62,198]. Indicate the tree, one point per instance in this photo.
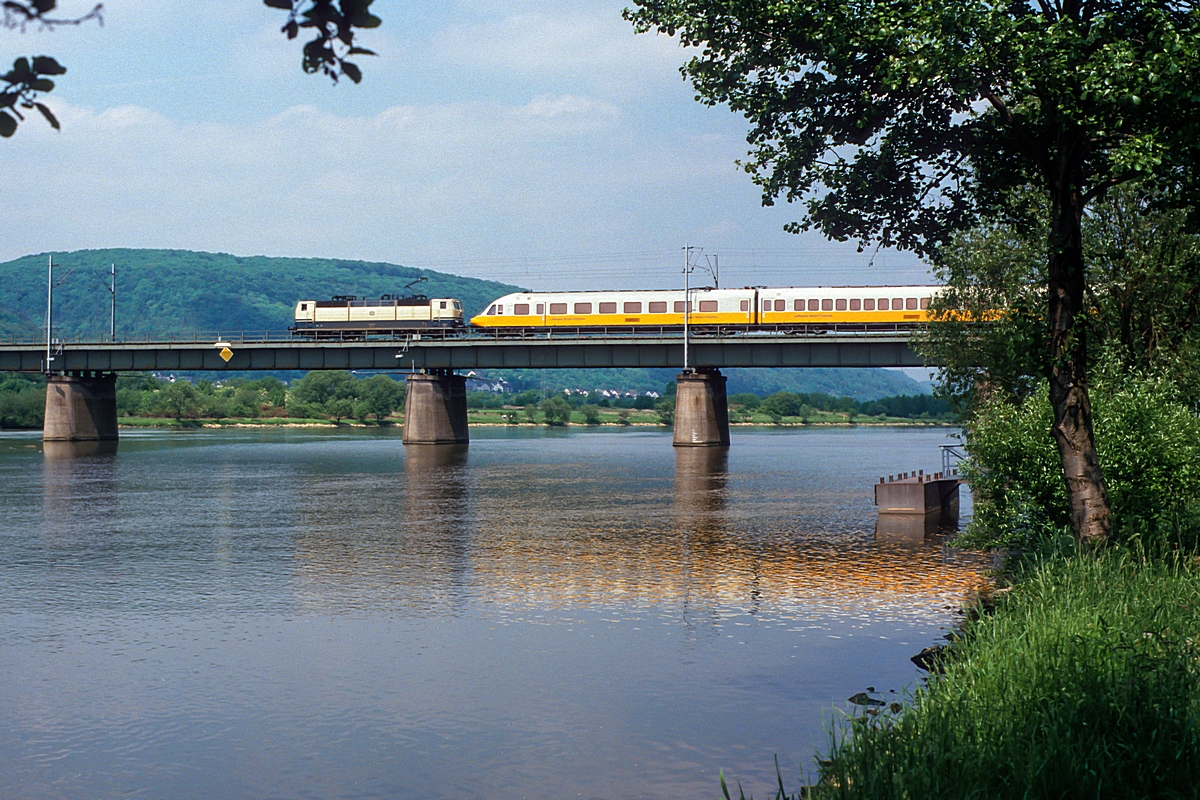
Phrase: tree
[900,124]
[665,408]
[556,411]
[379,396]
[331,22]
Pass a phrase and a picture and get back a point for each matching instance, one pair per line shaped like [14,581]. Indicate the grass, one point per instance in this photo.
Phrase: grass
[1085,682]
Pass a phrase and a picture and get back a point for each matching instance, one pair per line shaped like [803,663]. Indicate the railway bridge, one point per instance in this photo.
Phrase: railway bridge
[81,395]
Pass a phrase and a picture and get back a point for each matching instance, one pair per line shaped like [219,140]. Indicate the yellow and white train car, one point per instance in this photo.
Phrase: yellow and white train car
[865,305]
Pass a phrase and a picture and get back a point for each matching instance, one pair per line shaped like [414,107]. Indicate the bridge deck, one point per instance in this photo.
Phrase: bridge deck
[473,350]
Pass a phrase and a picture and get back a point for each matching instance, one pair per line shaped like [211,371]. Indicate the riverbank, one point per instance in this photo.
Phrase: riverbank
[1084,681]
[517,418]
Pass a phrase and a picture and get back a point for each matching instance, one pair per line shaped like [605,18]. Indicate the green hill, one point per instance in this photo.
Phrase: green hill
[177,291]
[173,291]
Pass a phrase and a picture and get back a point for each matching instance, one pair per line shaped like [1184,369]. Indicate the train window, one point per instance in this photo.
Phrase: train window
[499,308]
[658,308]
[558,308]
[583,308]
[814,305]
[492,310]
[856,305]
[827,305]
[781,305]
[840,305]
[708,305]
[744,305]
[869,304]
[520,309]
[443,305]
[608,308]
[541,308]
[457,305]
[633,308]
[910,304]
[304,306]
[924,302]
[766,305]
[798,305]
[883,304]
[679,306]
[897,303]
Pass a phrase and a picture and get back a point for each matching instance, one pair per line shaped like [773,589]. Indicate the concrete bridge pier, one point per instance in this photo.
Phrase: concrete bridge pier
[81,407]
[435,408]
[701,410]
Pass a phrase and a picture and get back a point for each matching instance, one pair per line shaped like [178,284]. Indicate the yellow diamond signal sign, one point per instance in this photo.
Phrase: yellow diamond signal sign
[226,354]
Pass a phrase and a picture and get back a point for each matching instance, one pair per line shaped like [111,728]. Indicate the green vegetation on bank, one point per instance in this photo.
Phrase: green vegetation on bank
[1085,682]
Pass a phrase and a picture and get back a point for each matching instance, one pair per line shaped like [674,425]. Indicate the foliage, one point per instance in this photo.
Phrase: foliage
[555,411]
[378,396]
[22,401]
[900,124]
[591,414]
[1149,447]
[1084,683]
[665,409]
[179,291]
[1143,274]
[333,23]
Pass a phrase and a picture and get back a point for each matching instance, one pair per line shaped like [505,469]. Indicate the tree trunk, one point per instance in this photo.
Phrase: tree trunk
[1090,515]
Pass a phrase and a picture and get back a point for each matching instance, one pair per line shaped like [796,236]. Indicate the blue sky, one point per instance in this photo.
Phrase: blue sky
[541,143]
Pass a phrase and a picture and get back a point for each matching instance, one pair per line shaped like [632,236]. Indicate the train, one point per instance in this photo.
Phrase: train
[802,307]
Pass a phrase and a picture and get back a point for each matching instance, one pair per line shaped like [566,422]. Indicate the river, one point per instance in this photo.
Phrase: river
[545,614]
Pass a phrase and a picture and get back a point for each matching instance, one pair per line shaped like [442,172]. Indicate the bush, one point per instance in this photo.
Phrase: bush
[22,401]
[665,409]
[1149,449]
[591,414]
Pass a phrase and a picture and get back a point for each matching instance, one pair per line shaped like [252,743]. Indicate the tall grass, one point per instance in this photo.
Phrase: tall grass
[1084,683]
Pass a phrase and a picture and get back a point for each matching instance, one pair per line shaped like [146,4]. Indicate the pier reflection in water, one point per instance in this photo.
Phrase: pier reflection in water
[548,614]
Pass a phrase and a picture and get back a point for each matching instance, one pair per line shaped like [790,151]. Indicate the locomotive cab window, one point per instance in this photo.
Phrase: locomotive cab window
[442,304]
[558,308]
[492,310]
[608,308]
[499,308]
[457,306]
[708,305]
[521,309]
[304,306]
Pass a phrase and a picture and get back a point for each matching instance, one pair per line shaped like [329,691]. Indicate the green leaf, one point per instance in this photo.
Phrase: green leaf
[352,71]
[8,125]
[45,65]
[49,115]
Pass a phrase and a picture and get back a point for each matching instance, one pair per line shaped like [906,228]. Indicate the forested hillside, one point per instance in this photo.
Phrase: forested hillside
[164,291]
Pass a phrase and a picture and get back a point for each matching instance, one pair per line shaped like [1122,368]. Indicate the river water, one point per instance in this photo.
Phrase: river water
[545,614]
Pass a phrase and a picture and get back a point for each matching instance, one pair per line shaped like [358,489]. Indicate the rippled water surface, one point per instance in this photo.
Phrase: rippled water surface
[544,614]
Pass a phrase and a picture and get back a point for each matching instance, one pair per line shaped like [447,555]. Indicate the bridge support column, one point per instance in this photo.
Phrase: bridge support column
[81,408]
[701,410]
[435,408]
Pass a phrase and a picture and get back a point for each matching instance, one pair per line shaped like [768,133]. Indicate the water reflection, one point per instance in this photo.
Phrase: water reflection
[78,476]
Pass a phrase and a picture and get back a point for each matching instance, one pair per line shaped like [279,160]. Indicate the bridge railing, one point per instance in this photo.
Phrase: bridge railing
[463,335]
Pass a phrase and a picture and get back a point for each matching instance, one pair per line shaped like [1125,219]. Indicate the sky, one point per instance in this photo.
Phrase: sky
[539,143]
